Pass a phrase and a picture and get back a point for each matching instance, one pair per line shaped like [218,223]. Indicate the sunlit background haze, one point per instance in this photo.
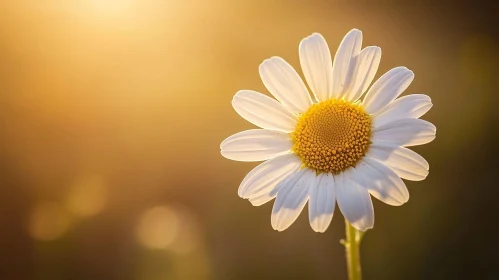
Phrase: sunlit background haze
[112,113]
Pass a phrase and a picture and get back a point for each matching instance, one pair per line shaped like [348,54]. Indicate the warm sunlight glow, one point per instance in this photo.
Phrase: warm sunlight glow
[111,7]
[113,115]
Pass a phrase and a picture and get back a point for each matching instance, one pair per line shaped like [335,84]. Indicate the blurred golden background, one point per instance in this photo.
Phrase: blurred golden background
[112,112]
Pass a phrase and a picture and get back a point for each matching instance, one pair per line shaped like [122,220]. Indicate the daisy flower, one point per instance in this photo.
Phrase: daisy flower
[335,145]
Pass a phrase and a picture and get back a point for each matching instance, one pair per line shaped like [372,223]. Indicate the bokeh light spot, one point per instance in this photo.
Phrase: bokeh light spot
[188,238]
[157,228]
[49,221]
[87,196]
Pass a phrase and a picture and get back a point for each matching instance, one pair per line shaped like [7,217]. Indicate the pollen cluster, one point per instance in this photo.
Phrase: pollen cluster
[332,136]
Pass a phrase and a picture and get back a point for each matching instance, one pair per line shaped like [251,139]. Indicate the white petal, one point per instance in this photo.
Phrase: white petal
[256,145]
[354,200]
[322,202]
[349,47]
[404,132]
[259,185]
[409,106]
[366,65]
[316,63]
[382,182]
[405,163]
[263,111]
[387,88]
[292,195]
[285,84]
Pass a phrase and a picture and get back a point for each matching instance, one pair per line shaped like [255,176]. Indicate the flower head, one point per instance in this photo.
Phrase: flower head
[332,146]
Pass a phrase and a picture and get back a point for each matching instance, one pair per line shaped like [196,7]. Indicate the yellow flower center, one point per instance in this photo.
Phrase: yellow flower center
[332,136]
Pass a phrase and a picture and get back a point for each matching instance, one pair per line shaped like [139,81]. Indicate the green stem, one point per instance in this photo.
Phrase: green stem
[352,246]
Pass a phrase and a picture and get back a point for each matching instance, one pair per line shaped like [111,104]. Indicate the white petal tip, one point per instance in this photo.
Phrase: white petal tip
[401,202]
[311,37]
[235,157]
[430,139]
[279,229]
[373,48]
[221,151]
[238,94]
[362,227]
[366,229]
[265,62]
[257,202]
[421,177]
[270,59]
[240,194]
[226,155]
[319,229]
[314,35]
[407,72]
[354,33]
[280,225]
